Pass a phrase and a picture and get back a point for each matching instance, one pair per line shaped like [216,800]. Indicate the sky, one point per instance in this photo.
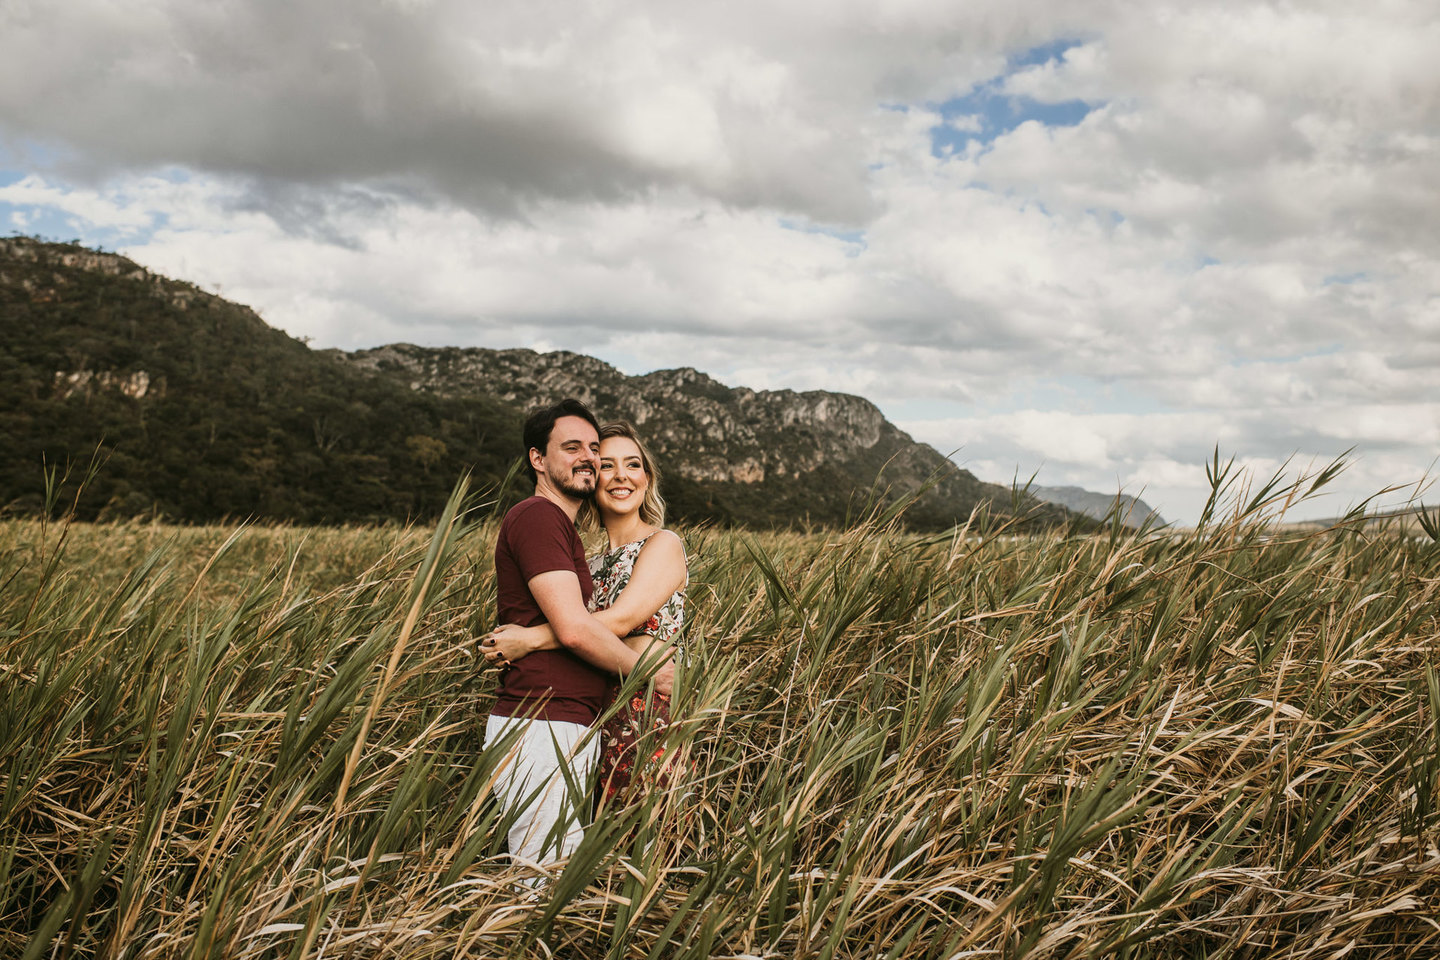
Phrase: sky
[1093,243]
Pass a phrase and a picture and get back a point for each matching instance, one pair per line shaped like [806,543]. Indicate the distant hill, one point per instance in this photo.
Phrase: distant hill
[1099,506]
[1409,520]
[733,454]
[201,411]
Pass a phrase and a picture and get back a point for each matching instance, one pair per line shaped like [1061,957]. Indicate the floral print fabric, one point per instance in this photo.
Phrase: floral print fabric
[611,572]
[632,745]
[632,740]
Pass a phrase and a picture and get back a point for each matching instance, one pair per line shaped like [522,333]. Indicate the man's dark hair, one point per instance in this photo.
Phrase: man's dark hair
[539,424]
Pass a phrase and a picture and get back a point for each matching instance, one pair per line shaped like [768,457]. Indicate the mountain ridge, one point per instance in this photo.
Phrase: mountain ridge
[1133,511]
[724,443]
[203,411]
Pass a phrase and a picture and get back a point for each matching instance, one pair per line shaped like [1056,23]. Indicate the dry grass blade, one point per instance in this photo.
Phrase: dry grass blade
[265,742]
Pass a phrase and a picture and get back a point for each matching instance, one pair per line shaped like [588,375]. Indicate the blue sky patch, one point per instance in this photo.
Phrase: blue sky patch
[1345,279]
[855,238]
[986,112]
[51,221]
[1035,56]
[37,220]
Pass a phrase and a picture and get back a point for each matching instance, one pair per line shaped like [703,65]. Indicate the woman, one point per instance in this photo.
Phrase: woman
[639,595]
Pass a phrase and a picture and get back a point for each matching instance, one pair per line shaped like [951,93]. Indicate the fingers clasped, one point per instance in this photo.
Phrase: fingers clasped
[492,653]
[484,647]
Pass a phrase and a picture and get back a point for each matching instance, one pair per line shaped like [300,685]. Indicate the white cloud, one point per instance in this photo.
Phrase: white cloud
[1161,456]
[1237,241]
[91,209]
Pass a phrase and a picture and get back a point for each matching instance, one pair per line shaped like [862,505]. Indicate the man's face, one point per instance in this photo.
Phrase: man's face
[569,461]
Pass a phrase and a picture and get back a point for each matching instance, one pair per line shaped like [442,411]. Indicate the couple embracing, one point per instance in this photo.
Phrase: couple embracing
[574,629]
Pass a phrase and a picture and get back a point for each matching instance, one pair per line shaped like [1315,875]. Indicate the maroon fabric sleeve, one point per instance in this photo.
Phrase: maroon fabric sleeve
[538,537]
[546,543]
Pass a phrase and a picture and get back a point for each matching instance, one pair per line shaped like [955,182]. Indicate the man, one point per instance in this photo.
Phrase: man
[554,695]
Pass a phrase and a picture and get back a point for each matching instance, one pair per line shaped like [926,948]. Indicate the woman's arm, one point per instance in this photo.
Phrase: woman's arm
[660,570]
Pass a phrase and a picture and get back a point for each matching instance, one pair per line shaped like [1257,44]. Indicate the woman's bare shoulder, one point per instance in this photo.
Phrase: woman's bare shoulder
[664,545]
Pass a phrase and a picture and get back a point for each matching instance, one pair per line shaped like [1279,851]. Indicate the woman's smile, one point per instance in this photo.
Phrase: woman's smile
[623,481]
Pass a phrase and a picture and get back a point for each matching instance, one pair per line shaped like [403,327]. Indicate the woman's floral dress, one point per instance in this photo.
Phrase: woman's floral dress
[632,741]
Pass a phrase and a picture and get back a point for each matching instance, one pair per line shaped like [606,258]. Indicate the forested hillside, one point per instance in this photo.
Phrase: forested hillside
[199,410]
[733,455]
[196,410]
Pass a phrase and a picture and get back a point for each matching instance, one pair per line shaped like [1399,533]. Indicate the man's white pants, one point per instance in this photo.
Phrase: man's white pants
[532,784]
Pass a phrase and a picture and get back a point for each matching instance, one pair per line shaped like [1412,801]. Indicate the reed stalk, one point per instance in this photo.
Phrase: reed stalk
[266,742]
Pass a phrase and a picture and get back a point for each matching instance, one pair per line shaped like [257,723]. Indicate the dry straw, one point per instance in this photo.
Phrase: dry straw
[264,743]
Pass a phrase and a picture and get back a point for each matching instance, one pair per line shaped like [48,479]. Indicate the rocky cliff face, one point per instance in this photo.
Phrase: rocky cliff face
[49,286]
[813,454]
[711,432]
[27,250]
[210,413]
[1100,506]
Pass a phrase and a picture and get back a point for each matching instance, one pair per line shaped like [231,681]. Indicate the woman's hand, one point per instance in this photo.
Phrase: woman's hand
[510,642]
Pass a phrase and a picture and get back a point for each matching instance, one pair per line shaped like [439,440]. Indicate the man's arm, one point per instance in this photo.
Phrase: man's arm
[659,572]
[558,594]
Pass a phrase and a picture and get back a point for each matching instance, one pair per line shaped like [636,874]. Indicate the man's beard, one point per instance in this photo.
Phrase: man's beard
[571,485]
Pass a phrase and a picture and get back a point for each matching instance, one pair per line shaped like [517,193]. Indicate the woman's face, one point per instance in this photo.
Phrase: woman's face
[622,484]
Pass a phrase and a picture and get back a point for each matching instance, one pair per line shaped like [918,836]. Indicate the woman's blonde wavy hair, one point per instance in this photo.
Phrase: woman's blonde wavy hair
[652,508]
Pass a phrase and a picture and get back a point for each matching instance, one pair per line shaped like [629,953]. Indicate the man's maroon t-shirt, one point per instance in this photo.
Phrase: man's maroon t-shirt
[537,537]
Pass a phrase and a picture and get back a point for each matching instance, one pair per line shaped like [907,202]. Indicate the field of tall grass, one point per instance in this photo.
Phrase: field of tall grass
[265,742]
